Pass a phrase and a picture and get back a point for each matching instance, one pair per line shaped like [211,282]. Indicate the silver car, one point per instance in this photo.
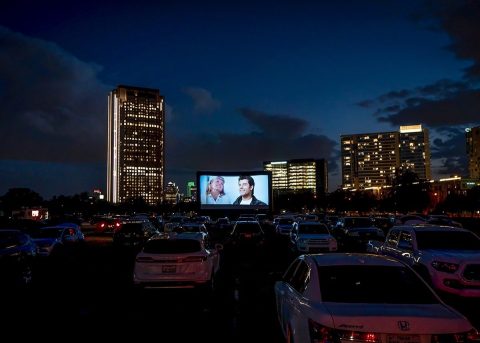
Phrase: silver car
[363,298]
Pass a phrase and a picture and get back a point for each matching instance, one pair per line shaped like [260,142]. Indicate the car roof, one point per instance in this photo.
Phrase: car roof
[341,259]
[428,227]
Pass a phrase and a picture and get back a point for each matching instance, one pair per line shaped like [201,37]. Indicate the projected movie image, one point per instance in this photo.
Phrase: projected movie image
[234,190]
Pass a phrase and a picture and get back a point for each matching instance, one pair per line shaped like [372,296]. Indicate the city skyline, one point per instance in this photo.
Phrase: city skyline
[244,82]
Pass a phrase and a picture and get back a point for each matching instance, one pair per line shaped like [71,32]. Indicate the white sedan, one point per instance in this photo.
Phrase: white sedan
[179,261]
[363,298]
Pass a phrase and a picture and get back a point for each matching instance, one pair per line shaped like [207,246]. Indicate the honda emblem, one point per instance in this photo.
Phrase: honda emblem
[403,325]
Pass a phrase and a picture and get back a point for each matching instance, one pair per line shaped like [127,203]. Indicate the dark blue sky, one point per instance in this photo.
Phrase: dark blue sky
[244,81]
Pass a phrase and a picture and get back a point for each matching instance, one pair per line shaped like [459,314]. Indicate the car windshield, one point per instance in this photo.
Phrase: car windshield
[171,246]
[313,229]
[52,232]
[373,284]
[447,240]
[285,221]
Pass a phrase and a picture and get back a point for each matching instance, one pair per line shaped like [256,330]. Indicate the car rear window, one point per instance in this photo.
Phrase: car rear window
[131,227]
[373,284]
[248,228]
[171,246]
[313,229]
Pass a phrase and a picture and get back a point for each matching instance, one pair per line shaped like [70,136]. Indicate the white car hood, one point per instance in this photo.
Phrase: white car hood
[390,318]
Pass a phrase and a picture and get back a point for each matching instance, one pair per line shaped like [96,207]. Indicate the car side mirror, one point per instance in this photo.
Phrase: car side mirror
[219,247]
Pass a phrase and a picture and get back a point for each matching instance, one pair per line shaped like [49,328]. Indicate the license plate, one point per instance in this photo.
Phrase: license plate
[169,269]
[403,339]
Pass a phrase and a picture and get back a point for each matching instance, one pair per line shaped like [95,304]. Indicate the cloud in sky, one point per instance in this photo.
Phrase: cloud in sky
[449,150]
[203,101]
[278,137]
[54,112]
[460,20]
[453,103]
[53,104]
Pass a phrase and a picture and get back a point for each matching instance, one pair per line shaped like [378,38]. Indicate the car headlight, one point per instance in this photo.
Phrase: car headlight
[446,267]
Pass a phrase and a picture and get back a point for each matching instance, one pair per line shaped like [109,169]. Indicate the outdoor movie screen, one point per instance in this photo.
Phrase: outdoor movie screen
[234,190]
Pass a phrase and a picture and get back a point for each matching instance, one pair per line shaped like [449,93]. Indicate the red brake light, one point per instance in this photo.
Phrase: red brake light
[369,337]
[323,334]
[195,259]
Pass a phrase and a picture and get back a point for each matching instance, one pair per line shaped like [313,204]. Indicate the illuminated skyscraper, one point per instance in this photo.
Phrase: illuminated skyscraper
[472,136]
[372,159]
[414,149]
[135,161]
[279,174]
[299,175]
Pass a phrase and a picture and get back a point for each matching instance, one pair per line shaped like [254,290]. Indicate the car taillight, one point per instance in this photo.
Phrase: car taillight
[320,333]
[102,225]
[195,259]
[467,337]
[473,336]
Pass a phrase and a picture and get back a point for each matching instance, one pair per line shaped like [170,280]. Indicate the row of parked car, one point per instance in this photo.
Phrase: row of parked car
[381,295]
[385,287]
[21,249]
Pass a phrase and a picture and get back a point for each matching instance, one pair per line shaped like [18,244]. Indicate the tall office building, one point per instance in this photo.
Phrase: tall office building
[415,150]
[135,161]
[472,136]
[372,159]
[279,174]
[299,174]
[369,159]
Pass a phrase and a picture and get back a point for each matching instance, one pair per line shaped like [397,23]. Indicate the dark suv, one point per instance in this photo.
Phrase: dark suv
[246,237]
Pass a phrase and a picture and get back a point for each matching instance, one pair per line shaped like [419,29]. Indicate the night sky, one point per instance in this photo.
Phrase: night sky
[244,82]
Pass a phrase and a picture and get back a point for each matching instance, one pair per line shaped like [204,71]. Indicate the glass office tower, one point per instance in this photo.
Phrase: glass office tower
[135,158]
